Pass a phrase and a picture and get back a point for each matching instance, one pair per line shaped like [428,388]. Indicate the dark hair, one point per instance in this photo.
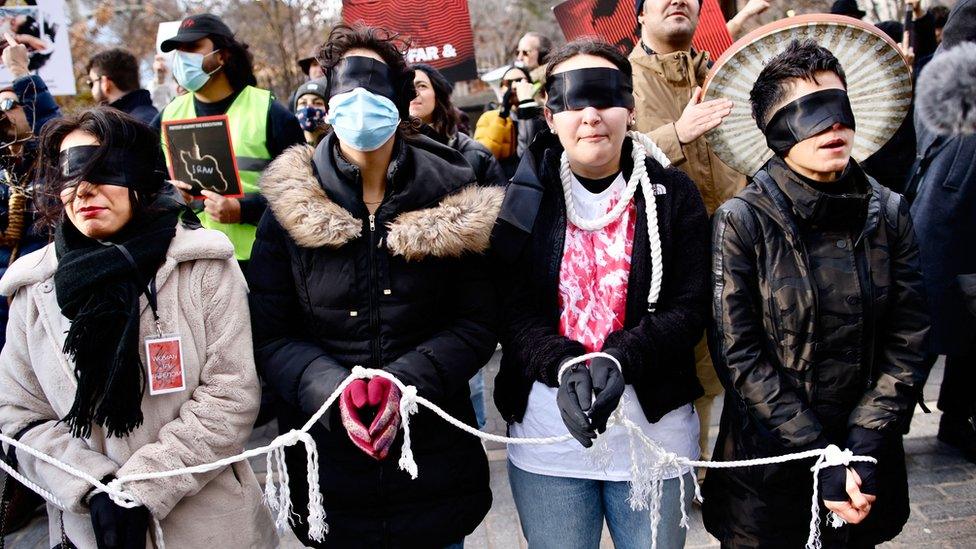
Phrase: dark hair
[894,29]
[940,14]
[119,65]
[444,119]
[114,130]
[799,61]
[590,46]
[389,46]
[545,46]
[239,66]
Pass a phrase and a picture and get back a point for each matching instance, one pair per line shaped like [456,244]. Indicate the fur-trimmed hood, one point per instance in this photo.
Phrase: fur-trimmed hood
[458,222]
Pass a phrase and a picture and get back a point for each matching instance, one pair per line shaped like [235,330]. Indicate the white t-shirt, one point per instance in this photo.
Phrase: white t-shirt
[677,431]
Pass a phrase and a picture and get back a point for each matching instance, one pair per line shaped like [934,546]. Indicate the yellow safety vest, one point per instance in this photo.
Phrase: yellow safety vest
[248,121]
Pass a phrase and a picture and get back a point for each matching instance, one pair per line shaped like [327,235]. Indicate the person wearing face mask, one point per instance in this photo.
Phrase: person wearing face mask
[819,315]
[216,69]
[113,76]
[88,377]
[370,254]
[606,250]
[310,108]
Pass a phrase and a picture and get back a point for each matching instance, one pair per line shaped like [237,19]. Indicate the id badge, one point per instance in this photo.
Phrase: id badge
[164,360]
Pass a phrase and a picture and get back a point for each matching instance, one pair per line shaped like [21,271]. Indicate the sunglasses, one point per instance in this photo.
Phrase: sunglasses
[8,104]
[91,81]
[523,52]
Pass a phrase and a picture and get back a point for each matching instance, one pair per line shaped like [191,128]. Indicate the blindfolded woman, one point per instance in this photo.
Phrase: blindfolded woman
[609,252]
[129,349]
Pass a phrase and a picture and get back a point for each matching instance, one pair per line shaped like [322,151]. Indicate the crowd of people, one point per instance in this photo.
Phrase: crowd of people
[147,329]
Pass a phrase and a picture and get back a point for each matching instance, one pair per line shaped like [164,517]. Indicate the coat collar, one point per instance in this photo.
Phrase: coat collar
[800,203]
[187,245]
[301,188]
[678,67]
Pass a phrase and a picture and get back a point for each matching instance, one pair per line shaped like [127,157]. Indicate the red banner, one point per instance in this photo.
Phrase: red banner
[616,22]
[438,31]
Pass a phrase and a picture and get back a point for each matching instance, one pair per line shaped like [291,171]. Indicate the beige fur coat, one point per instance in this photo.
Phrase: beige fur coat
[203,297]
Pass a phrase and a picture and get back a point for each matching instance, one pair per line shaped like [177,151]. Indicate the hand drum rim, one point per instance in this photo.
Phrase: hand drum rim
[878,79]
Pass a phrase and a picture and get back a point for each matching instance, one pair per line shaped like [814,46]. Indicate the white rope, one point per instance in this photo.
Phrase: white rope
[650,462]
[642,148]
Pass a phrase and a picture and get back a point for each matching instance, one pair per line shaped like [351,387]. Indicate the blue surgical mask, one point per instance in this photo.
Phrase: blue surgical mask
[310,118]
[363,120]
[188,70]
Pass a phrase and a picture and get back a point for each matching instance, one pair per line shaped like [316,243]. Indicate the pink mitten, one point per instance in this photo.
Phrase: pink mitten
[353,399]
[385,396]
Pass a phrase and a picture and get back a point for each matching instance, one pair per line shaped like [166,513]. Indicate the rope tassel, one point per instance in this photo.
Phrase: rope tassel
[650,464]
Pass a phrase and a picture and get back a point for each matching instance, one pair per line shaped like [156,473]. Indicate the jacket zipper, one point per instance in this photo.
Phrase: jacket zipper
[374,314]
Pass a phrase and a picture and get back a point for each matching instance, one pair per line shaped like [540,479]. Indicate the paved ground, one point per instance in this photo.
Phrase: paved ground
[943,493]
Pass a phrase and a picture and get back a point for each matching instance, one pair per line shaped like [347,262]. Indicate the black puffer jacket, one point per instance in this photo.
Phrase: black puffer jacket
[485,166]
[819,328]
[657,349]
[333,287]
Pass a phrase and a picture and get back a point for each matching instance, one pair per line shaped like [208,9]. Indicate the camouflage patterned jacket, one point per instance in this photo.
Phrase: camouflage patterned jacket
[815,330]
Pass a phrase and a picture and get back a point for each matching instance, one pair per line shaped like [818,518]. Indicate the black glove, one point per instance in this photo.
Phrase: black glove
[608,386]
[117,527]
[866,442]
[833,483]
[573,398]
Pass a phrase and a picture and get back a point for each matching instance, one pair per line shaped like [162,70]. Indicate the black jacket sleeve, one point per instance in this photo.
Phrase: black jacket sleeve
[901,366]
[682,310]
[283,349]
[443,364]
[739,352]
[531,336]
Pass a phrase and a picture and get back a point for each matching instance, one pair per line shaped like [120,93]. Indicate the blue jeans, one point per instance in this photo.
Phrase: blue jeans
[477,386]
[568,513]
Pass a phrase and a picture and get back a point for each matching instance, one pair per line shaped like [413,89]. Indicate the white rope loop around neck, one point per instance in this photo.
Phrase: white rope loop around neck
[642,148]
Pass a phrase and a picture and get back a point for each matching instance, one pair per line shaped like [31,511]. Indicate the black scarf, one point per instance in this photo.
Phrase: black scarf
[98,291]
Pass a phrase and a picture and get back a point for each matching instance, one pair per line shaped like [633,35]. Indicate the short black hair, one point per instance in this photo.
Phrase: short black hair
[801,60]
[589,46]
[117,64]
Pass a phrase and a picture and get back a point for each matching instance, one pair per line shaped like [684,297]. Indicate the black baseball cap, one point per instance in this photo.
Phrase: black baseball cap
[196,27]
[848,8]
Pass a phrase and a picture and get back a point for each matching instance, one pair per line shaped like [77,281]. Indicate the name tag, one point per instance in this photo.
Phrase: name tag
[164,362]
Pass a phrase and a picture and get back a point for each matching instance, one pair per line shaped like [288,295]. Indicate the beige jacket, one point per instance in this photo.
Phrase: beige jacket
[662,88]
[203,297]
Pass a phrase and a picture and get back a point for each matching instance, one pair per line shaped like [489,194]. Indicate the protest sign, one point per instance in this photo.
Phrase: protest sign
[199,152]
[43,28]
[438,31]
[616,22]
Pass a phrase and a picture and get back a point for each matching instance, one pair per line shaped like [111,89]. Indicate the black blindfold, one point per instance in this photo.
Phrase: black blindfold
[600,88]
[120,167]
[362,72]
[806,117]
